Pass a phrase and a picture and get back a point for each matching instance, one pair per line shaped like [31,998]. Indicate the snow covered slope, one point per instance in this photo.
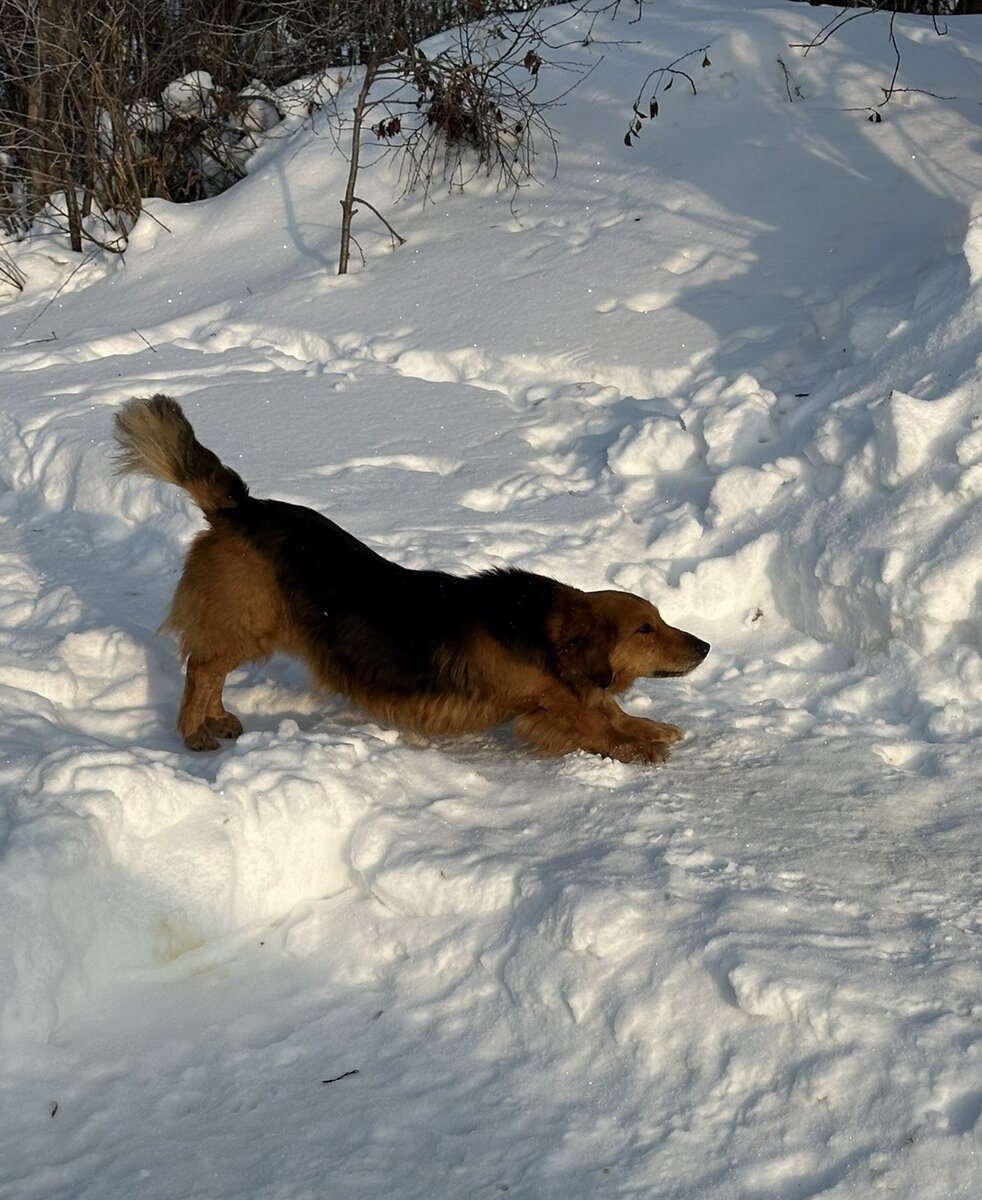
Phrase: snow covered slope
[735,368]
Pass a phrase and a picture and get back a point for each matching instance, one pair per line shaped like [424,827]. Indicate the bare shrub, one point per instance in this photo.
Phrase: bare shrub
[468,107]
[107,102]
[84,109]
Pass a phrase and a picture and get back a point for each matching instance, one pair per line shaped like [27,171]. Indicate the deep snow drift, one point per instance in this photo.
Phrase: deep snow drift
[735,368]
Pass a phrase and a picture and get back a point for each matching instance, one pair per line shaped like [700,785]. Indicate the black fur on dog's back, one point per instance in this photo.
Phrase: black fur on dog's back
[396,629]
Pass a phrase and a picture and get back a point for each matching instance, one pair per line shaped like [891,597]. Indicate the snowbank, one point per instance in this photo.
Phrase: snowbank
[734,368]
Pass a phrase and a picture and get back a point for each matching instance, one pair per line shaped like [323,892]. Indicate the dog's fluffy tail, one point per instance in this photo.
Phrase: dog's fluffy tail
[155,438]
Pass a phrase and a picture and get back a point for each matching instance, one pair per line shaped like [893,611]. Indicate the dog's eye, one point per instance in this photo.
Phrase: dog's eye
[646,628]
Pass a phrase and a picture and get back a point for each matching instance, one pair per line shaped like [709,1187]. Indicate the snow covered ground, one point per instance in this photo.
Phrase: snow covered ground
[735,368]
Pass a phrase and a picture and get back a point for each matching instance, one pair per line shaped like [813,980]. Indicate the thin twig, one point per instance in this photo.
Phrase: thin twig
[831,28]
[144,340]
[64,283]
[787,82]
[343,1075]
[372,208]
[896,64]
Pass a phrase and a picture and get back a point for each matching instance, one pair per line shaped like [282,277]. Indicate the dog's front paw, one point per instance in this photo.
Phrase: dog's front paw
[642,730]
[665,733]
[201,739]
[639,751]
[654,752]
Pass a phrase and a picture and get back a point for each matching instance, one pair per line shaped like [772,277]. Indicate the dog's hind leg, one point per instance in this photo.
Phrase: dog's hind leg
[228,610]
[203,718]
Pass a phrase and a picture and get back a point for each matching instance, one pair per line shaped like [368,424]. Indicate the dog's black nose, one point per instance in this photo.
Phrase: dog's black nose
[701,648]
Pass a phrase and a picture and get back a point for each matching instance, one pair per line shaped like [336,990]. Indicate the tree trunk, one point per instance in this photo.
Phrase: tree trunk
[348,203]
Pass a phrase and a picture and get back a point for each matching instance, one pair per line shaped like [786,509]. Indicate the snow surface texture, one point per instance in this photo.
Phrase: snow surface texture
[735,368]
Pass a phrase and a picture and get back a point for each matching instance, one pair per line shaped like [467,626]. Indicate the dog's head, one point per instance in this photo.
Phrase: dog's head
[609,639]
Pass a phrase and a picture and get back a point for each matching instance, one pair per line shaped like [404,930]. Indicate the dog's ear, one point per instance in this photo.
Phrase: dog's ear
[582,641]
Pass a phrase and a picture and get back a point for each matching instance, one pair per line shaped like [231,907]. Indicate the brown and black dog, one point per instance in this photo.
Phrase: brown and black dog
[420,650]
